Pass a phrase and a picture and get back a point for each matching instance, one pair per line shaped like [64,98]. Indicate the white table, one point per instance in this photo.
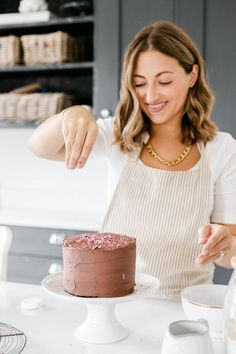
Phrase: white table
[49,330]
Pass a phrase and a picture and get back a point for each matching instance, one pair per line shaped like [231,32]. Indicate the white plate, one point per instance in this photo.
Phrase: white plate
[209,295]
[145,285]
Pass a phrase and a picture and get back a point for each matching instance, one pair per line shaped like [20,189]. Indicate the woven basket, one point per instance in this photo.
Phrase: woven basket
[35,106]
[10,51]
[56,47]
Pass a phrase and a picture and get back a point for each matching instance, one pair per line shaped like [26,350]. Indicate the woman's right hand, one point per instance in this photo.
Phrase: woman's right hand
[80,130]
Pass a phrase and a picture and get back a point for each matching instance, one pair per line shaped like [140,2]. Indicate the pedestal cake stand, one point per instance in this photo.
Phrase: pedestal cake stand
[101,324]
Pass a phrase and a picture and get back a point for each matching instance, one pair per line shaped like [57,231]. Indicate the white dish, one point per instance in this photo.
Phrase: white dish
[144,284]
[205,301]
[210,295]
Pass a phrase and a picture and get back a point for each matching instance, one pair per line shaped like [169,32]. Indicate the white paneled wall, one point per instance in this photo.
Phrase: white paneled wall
[32,188]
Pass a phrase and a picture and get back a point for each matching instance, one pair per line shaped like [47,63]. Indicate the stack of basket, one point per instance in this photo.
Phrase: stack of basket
[52,48]
[49,48]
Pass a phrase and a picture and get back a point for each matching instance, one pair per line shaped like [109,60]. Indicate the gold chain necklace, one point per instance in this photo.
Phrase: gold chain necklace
[179,159]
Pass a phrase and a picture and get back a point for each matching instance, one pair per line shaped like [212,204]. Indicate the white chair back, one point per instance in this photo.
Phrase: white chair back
[5,243]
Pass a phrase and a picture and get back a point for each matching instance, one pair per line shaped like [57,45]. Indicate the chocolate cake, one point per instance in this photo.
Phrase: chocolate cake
[99,264]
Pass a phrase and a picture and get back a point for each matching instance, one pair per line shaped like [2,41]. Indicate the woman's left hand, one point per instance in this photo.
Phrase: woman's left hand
[216,241]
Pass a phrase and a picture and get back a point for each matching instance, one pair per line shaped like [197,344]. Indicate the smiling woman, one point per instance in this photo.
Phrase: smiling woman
[156,87]
[167,186]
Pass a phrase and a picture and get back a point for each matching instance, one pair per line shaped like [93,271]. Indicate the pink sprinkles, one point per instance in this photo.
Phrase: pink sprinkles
[107,241]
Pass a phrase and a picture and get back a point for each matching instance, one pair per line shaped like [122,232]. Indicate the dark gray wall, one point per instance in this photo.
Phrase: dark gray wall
[107,54]
[220,54]
[187,13]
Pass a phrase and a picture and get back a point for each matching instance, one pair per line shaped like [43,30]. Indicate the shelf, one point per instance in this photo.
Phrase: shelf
[57,21]
[46,67]
[75,78]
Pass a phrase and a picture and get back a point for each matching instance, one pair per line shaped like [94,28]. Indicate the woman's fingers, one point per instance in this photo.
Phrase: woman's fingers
[204,233]
[89,141]
[213,253]
[80,132]
[213,257]
[219,240]
[69,143]
[73,155]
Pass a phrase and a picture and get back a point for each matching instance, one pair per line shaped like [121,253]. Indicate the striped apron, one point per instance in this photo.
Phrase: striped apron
[163,210]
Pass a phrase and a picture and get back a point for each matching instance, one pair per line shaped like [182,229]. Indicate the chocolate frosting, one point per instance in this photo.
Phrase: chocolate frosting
[99,264]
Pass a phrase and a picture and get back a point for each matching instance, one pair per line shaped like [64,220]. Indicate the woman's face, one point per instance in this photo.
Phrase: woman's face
[162,85]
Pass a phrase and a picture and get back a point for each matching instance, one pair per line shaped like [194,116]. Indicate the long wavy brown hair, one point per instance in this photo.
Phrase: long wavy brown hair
[131,122]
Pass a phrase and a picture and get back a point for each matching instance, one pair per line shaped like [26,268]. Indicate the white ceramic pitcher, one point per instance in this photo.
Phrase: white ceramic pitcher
[184,337]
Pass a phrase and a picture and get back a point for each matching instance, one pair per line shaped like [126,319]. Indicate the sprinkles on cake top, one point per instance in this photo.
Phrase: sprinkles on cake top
[106,241]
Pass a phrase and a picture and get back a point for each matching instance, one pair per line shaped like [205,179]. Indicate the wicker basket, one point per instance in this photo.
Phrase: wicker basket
[56,47]
[10,51]
[30,107]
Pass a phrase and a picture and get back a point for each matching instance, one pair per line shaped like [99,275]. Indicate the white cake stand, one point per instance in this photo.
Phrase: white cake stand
[101,324]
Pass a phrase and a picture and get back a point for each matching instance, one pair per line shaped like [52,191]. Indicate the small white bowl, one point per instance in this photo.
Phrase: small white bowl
[205,301]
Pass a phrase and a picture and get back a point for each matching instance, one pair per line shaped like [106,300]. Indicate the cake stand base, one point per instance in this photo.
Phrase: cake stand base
[101,325]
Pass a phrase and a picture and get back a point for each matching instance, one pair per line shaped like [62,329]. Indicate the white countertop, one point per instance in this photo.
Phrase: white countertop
[49,330]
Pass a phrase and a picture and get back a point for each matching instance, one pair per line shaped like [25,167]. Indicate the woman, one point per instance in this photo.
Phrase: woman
[173,177]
